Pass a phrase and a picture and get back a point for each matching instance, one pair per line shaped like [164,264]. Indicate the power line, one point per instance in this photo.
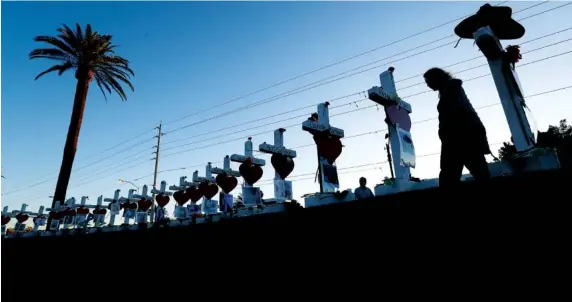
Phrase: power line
[385,129]
[360,92]
[81,168]
[319,84]
[297,124]
[313,105]
[329,65]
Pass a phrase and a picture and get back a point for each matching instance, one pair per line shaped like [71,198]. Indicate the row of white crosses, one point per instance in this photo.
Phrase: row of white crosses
[22,217]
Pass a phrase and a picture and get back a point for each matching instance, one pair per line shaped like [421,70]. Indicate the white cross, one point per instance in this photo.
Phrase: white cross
[386,95]
[323,123]
[82,218]
[508,88]
[208,175]
[41,217]
[183,184]
[128,199]
[226,168]
[247,154]
[114,202]
[20,227]
[278,147]
[162,190]
[55,224]
[144,194]
[320,126]
[99,219]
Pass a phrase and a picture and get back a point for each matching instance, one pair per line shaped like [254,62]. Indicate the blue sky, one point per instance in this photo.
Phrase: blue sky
[191,56]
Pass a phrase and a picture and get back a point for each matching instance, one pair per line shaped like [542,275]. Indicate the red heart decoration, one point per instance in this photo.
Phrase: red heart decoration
[83,211]
[194,193]
[144,204]
[100,211]
[129,206]
[283,165]
[22,217]
[55,215]
[69,212]
[162,200]
[226,183]
[329,147]
[5,220]
[251,173]
[180,197]
[209,190]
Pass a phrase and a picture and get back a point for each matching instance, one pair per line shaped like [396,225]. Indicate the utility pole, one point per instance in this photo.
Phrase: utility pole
[157,149]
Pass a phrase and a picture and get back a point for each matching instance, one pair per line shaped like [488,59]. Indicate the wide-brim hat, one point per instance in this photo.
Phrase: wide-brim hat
[499,18]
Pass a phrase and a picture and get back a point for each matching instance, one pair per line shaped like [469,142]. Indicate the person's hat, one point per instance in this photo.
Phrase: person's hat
[499,18]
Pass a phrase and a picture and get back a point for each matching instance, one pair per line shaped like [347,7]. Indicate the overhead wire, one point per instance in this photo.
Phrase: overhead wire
[357,109]
[318,84]
[242,137]
[313,105]
[377,131]
[331,65]
[539,13]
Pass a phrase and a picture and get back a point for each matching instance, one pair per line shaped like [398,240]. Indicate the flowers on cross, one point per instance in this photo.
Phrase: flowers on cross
[513,54]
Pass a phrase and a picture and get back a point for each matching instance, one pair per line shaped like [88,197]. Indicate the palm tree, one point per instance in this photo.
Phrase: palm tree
[91,56]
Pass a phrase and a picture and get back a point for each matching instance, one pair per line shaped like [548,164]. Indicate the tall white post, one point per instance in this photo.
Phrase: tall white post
[508,88]
[397,111]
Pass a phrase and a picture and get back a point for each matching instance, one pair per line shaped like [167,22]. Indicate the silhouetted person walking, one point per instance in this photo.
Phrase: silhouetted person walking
[463,135]
[363,192]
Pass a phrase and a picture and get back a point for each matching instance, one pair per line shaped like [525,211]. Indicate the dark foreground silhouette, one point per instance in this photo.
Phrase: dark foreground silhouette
[514,221]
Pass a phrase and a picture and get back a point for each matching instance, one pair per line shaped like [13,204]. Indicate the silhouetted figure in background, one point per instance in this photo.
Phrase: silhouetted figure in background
[363,192]
[463,135]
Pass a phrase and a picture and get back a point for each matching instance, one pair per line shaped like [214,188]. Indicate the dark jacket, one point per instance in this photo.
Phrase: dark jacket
[459,123]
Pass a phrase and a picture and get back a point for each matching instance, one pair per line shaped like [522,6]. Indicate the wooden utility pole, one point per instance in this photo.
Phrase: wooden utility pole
[157,149]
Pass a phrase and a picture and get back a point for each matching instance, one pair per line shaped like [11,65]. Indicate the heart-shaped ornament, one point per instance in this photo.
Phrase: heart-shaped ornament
[283,165]
[38,218]
[251,173]
[144,204]
[329,147]
[180,197]
[129,206]
[83,211]
[5,220]
[194,193]
[69,212]
[162,200]
[209,190]
[55,215]
[22,217]
[226,183]
[100,211]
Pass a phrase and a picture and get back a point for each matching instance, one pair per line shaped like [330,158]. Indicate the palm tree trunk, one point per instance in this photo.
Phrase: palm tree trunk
[72,139]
